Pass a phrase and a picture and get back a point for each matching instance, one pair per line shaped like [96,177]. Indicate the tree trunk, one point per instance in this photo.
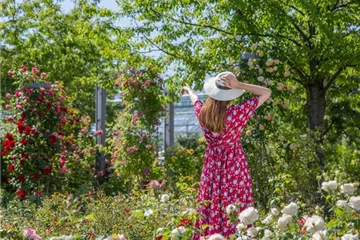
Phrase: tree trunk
[316,112]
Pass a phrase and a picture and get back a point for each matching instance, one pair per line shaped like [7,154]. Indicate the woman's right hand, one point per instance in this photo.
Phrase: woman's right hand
[186,89]
[230,80]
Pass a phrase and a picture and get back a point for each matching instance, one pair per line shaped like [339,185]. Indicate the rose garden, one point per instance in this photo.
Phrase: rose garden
[302,145]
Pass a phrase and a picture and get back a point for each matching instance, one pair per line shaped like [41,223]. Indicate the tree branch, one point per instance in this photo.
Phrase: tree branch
[340,7]
[192,24]
[335,75]
[276,36]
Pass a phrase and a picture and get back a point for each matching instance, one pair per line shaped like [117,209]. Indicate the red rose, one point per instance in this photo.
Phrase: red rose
[24,155]
[21,178]
[91,235]
[20,193]
[27,129]
[24,68]
[8,180]
[52,139]
[47,170]
[37,176]
[35,70]
[91,193]
[24,141]
[48,105]
[33,131]
[9,136]
[22,162]
[11,168]
[127,210]
[10,73]
[41,99]
[21,126]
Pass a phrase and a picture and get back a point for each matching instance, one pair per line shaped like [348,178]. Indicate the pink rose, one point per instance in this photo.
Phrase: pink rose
[36,77]
[148,146]
[42,90]
[19,106]
[10,118]
[147,83]
[30,90]
[83,131]
[10,73]
[63,118]
[51,92]
[29,233]
[34,70]
[63,169]
[8,95]
[38,193]
[106,161]
[99,133]
[24,68]
[100,173]
[116,133]
[43,75]
[62,160]
[17,94]
[7,107]
[62,98]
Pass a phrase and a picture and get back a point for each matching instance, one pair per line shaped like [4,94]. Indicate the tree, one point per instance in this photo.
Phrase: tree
[318,40]
[81,48]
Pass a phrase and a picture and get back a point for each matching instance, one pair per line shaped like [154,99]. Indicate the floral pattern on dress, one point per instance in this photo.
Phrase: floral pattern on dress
[225,177]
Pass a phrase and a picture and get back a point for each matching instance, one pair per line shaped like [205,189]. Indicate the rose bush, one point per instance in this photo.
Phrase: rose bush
[47,147]
[141,215]
[133,145]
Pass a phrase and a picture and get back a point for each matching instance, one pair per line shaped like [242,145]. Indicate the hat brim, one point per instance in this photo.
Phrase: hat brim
[216,93]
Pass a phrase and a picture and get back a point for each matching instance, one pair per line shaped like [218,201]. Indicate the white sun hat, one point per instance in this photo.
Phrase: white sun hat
[216,89]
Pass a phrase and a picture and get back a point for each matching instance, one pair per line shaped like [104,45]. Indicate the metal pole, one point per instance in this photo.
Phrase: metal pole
[100,114]
[169,126]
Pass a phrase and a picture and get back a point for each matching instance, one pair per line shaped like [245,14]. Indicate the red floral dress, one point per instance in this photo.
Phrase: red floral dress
[225,177]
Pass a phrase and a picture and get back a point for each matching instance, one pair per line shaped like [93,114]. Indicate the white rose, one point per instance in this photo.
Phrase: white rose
[267,220]
[267,234]
[275,68]
[349,237]
[148,212]
[248,216]
[230,209]
[176,233]
[159,231]
[274,211]
[348,188]
[260,78]
[216,237]
[240,227]
[329,186]
[314,223]
[291,209]
[250,64]
[319,235]
[237,69]
[252,231]
[283,222]
[261,43]
[238,37]
[261,70]
[164,198]
[354,202]
[287,73]
[341,203]
[243,238]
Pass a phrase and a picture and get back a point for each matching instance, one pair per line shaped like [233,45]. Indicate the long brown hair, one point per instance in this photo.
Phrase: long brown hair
[212,115]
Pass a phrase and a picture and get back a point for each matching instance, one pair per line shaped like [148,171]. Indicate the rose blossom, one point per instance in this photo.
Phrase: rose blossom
[350,237]
[348,188]
[283,222]
[63,169]
[34,70]
[99,133]
[8,95]
[291,209]
[7,107]
[329,186]
[314,223]
[43,75]
[248,216]
[216,236]
[354,202]
[230,209]
[30,233]
[164,198]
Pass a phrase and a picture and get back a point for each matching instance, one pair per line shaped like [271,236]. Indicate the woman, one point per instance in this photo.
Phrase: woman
[225,176]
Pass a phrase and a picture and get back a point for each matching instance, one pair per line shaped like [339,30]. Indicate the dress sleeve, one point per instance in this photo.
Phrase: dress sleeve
[197,107]
[246,109]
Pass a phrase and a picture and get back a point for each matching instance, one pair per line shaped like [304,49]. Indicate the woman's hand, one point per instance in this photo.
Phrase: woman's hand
[230,80]
[186,89]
